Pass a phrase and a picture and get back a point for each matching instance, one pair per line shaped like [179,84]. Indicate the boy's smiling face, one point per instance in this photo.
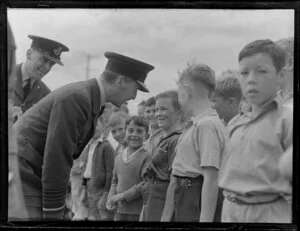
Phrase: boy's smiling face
[259,78]
[135,135]
[165,113]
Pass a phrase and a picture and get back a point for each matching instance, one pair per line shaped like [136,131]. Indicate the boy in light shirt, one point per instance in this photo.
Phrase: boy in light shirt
[193,189]
[253,186]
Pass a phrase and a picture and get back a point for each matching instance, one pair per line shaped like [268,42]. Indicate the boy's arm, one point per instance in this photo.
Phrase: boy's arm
[209,194]
[114,183]
[135,191]
[210,145]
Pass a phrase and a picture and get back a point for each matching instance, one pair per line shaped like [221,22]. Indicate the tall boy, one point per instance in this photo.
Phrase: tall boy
[254,189]
[196,163]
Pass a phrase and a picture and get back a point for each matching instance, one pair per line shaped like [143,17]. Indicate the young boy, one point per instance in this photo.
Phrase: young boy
[287,85]
[127,175]
[227,97]
[154,130]
[117,125]
[98,170]
[254,189]
[199,149]
[168,115]
[141,108]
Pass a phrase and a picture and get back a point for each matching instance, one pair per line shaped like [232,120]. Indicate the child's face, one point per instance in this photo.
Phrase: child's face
[106,114]
[135,135]
[141,110]
[166,114]
[222,106]
[98,129]
[150,113]
[259,78]
[118,132]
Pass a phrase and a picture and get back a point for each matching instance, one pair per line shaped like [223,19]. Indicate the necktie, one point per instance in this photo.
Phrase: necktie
[26,87]
[101,110]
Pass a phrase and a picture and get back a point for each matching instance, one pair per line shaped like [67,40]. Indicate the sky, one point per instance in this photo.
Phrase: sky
[165,38]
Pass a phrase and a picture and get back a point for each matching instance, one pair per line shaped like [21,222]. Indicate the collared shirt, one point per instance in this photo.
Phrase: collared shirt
[102,93]
[201,145]
[25,76]
[256,143]
[92,146]
[153,140]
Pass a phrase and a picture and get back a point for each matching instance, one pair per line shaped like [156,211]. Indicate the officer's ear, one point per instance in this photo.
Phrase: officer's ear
[120,81]
[29,53]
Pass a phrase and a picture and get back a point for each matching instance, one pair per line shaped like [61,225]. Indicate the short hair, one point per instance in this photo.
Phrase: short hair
[142,103]
[171,94]
[110,77]
[138,121]
[287,44]
[199,73]
[266,46]
[117,118]
[229,86]
[229,73]
[124,108]
[149,102]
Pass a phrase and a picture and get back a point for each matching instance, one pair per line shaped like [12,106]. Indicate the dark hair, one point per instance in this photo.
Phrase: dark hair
[142,103]
[266,46]
[149,102]
[199,73]
[171,94]
[110,77]
[138,121]
[229,87]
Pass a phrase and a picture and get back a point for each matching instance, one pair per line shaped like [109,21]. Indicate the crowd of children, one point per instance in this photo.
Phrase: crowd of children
[214,150]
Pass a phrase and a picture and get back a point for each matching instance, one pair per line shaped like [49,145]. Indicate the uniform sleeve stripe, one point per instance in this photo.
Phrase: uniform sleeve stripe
[54,209]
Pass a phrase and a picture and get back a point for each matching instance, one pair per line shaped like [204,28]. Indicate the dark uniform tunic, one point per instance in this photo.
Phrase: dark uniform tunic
[37,91]
[50,135]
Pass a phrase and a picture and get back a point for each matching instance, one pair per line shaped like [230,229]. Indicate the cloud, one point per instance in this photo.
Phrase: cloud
[167,39]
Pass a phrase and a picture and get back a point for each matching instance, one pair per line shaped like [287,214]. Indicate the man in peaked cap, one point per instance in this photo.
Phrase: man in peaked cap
[29,88]
[55,130]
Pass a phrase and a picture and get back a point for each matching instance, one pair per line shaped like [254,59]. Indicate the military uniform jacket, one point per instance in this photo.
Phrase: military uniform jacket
[56,130]
[38,91]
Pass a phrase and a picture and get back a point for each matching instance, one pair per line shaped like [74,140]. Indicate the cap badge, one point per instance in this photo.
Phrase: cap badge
[57,51]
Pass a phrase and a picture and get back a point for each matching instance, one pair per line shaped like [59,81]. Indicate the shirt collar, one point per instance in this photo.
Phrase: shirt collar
[25,75]
[209,112]
[277,102]
[102,92]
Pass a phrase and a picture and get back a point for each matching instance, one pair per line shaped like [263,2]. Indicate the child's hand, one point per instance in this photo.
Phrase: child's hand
[109,205]
[116,198]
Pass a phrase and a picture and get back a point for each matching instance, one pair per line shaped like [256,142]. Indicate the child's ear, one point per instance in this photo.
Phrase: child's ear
[147,135]
[233,101]
[282,74]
